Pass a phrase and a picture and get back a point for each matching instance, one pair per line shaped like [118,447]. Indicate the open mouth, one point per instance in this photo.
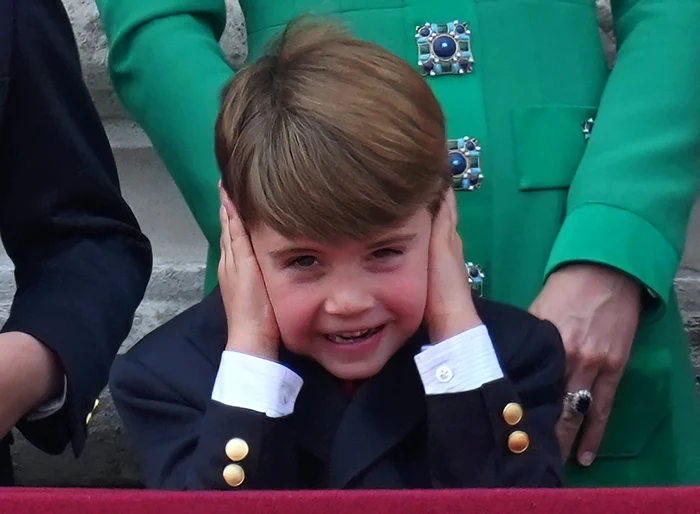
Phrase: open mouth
[355,337]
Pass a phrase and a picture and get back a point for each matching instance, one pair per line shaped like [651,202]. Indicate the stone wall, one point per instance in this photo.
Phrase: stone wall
[179,251]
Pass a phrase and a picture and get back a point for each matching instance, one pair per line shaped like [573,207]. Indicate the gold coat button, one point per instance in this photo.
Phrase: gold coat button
[513,413]
[237,449]
[89,418]
[234,475]
[518,442]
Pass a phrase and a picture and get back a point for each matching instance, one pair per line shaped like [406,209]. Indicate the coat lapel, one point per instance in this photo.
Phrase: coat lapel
[319,408]
[382,413]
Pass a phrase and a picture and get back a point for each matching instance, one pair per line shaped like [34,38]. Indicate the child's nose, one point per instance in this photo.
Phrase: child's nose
[349,302]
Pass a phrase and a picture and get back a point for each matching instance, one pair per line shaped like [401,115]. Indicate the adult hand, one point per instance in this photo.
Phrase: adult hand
[596,310]
[252,327]
[30,374]
[449,309]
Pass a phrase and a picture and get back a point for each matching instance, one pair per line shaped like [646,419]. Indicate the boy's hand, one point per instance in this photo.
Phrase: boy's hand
[449,310]
[252,327]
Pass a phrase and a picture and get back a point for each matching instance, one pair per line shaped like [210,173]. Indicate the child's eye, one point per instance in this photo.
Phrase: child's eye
[386,253]
[303,262]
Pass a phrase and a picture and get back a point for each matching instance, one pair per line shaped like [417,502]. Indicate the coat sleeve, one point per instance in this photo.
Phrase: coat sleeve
[81,262]
[470,442]
[630,200]
[168,70]
[181,441]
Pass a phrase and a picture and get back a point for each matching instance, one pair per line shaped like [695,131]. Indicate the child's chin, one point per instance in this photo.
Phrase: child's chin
[355,371]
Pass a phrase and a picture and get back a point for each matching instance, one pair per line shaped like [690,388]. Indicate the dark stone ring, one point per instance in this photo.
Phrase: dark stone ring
[580,401]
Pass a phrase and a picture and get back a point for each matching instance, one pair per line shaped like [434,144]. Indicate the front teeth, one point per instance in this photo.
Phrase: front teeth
[350,337]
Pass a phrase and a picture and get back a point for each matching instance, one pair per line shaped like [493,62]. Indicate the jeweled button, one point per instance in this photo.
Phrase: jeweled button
[444,47]
[458,163]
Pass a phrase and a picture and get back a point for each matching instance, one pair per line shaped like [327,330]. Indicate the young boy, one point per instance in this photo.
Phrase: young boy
[343,349]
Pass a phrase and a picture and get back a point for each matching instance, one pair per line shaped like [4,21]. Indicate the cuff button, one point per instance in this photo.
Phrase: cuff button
[237,449]
[513,413]
[518,442]
[234,475]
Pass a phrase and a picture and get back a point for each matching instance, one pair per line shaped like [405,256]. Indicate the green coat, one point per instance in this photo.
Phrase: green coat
[549,197]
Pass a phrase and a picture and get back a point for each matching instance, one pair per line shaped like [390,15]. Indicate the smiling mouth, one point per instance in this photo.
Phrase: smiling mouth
[353,337]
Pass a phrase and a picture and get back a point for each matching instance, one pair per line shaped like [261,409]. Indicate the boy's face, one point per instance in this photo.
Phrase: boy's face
[349,306]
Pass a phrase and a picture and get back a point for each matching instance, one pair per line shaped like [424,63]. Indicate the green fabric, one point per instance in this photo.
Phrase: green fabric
[626,236]
[549,197]
[540,165]
[174,82]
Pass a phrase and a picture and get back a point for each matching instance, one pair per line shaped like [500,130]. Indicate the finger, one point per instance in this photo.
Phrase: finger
[240,240]
[566,429]
[442,221]
[597,418]
[226,200]
[233,221]
[570,421]
[226,258]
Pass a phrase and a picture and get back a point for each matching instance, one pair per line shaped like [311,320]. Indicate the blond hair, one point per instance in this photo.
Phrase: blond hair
[329,137]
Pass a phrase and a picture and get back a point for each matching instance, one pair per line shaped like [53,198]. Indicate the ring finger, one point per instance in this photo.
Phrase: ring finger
[571,420]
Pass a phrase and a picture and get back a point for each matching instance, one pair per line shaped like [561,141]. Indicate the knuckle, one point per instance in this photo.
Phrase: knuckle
[570,419]
[602,416]
[591,358]
[614,363]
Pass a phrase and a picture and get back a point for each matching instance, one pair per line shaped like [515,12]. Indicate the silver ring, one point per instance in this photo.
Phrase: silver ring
[580,401]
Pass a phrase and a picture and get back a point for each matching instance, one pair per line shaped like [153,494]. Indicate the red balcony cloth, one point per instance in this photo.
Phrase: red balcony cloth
[573,501]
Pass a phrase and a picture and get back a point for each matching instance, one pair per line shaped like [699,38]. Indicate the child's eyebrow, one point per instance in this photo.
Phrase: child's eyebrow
[288,251]
[392,240]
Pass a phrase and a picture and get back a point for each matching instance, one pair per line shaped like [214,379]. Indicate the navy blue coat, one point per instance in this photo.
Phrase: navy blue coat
[81,261]
[388,435]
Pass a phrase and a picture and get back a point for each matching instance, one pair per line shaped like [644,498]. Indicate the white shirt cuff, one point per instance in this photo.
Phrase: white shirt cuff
[50,407]
[257,384]
[461,363]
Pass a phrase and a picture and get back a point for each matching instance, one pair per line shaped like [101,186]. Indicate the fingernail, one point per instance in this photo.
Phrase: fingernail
[586,459]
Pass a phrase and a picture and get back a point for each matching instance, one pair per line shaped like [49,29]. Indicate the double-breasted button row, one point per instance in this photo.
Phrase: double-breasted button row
[518,441]
[444,48]
[236,450]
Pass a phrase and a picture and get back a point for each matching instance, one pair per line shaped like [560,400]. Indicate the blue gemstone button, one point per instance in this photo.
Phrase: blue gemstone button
[447,46]
[458,163]
[464,156]
[444,47]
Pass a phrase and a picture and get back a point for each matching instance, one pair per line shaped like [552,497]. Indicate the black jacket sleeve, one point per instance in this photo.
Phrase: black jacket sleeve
[468,433]
[180,433]
[81,262]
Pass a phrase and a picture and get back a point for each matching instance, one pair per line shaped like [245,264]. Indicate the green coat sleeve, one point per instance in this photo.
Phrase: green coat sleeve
[630,200]
[168,70]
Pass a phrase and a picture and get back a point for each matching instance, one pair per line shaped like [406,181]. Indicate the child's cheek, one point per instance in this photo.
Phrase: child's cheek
[294,311]
[406,294]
